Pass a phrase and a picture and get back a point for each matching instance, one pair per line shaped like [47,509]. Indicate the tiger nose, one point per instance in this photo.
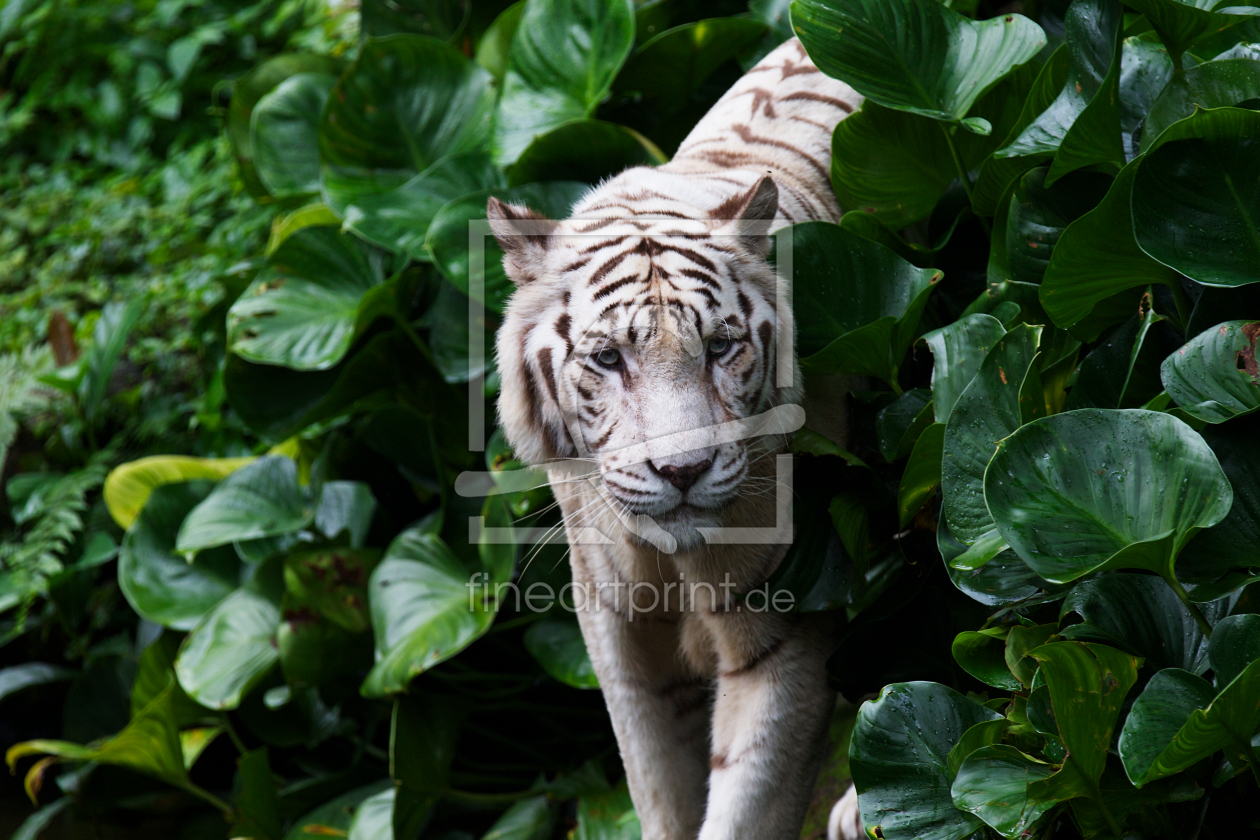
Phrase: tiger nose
[684,475]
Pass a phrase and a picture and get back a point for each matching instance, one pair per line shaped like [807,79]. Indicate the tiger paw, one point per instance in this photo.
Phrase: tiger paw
[845,822]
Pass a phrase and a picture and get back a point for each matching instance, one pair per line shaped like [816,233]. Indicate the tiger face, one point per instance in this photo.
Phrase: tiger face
[637,345]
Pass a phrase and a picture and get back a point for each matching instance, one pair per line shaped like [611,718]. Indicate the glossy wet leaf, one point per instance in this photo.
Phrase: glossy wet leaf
[1097,257]
[1213,84]
[128,487]
[919,57]
[262,499]
[1190,196]
[1073,493]
[564,57]
[1039,214]
[899,424]
[957,353]
[993,784]
[1215,376]
[557,645]
[230,649]
[1140,614]
[922,474]
[1122,371]
[1145,71]
[1235,647]
[1158,715]
[858,302]
[423,610]
[1181,23]
[899,765]
[896,165]
[303,309]
[983,655]
[159,583]
[583,150]
[284,128]
[1003,580]
[405,104]
[986,412]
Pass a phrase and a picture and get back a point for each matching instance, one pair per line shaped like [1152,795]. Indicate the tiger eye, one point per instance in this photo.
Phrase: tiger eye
[719,345]
[608,357]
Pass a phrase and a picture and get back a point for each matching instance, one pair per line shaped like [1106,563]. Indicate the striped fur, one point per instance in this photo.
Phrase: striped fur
[652,311]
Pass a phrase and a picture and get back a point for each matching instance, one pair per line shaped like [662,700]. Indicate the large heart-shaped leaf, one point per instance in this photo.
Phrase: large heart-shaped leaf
[1097,257]
[303,309]
[249,89]
[957,353]
[986,412]
[900,766]
[425,609]
[1140,614]
[583,150]
[858,303]
[1213,84]
[230,649]
[262,499]
[896,165]
[283,131]
[1002,581]
[919,57]
[1214,553]
[1090,489]
[1190,195]
[1215,376]
[157,582]
[405,104]
[1181,23]
[564,57]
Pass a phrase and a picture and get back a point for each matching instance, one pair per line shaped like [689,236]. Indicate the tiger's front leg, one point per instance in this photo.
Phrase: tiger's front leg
[659,709]
[769,723]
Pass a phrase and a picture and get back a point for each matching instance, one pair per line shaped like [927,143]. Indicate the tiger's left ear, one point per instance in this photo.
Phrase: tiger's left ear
[750,214]
[523,235]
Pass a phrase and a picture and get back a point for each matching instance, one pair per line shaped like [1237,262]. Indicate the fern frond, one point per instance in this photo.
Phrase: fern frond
[21,392]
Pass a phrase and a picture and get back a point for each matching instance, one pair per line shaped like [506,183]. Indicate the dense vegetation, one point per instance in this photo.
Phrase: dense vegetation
[234,400]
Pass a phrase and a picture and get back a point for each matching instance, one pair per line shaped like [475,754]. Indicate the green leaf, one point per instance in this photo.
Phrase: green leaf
[983,655]
[425,609]
[669,68]
[564,57]
[440,19]
[494,46]
[1157,717]
[919,57]
[337,814]
[345,507]
[957,353]
[858,303]
[230,649]
[899,765]
[1181,23]
[262,499]
[922,474]
[374,819]
[283,130]
[1039,214]
[422,739]
[1002,581]
[109,339]
[257,807]
[157,582]
[1075,493]
[249,89]
[1142,615]
[1213,555]
[558,647]
[128,486]
[1191,195]
[404,124]
[1145,71]
[986,412]
[1235,645]
[1123,370]
[333,582]
[899,424]
[1097,257]
[17,677]
[896,166]
[983,734]
[583,150]
[993,784]
[303,309]
[1215,376]
[1088,684]
[1213,84]
[448,235]
[527,819]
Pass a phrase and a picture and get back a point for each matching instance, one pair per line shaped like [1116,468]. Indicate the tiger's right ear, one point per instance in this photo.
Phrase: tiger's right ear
[518,228]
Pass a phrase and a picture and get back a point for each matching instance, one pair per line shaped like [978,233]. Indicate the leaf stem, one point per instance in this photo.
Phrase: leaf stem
[1184,308]
[963,176]
[206,795]
[1192,607]
[1097,797]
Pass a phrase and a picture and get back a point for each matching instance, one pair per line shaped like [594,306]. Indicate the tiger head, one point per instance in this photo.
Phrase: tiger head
[625,331]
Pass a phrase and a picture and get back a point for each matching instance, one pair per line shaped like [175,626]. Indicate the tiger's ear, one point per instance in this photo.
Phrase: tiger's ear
[518,228]
[750,214]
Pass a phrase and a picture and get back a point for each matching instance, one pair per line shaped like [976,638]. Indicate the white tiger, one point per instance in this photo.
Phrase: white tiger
[651,313]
